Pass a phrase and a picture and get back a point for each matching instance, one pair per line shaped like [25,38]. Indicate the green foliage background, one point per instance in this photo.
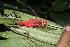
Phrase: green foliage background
[57,11]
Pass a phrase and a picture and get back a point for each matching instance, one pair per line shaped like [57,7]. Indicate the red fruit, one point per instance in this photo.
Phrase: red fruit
[29,24]
[22,22]
[33,22]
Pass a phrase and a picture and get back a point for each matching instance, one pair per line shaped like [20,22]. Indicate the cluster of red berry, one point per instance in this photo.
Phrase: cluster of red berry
[33,22]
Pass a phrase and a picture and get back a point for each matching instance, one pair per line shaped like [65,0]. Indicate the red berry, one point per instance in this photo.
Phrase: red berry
[33,22]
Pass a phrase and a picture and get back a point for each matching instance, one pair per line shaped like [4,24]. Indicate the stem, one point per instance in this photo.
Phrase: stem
[27,6]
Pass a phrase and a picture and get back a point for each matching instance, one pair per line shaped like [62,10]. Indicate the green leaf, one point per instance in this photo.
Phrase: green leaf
[61,5]
[36,33]
[8,21]
[0,16]
[23,16]
[23,43]
[10,35]
[60,18]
